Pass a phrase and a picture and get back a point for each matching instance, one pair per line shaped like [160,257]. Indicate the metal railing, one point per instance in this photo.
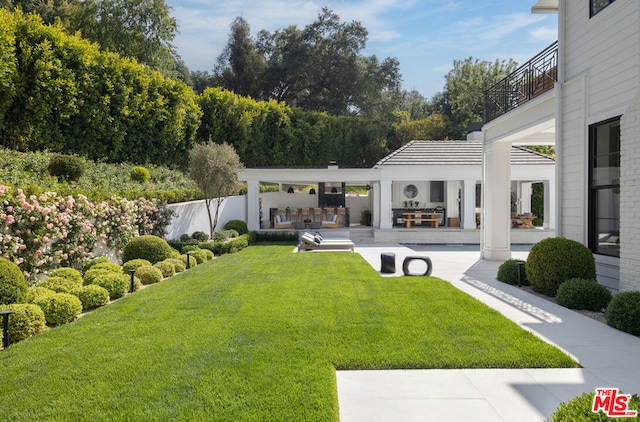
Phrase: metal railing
[530,80]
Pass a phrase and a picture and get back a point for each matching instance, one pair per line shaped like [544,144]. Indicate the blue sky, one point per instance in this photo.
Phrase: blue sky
[426,36]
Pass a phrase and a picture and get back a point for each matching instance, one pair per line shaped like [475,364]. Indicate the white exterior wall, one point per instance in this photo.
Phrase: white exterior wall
[601,80]
[192,216]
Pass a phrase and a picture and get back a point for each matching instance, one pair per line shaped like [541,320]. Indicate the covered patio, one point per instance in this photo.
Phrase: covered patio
[425,192]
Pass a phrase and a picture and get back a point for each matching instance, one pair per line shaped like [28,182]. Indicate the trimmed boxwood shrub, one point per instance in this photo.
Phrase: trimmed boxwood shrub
[27,320]
[116,284]
[140,174]
[201,255]
[579,293]
[109,266]
[200,236]
[167,268]
[134,264]
[93,262]
[273,237]
[59,308]
[91,296]
[223,235]
[237,225]
[67,167]
[579,409]
[35,292]
[623,312]
[177,264]
[190,248]
[184,237]
[152,248]
[59,284]
[13,286]
[555,260]
[508,272]
[68,273]
[149,274]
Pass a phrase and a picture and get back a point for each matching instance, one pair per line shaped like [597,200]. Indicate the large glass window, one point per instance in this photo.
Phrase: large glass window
[604,187]
[598,5]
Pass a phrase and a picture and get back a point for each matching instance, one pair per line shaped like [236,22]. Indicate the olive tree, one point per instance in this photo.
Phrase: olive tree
[214,168]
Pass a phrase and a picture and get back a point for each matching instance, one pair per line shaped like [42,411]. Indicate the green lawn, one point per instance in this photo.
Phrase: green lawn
[254,336]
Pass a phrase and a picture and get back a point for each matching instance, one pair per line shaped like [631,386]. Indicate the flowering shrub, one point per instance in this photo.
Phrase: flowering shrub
[40,233]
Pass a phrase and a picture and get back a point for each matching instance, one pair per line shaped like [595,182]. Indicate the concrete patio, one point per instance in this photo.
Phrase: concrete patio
[608,357]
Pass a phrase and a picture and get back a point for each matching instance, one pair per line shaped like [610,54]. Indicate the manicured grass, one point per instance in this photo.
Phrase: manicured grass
[254,336]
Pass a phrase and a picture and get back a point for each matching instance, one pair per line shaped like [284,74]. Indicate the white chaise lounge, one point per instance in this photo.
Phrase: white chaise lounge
[310,242]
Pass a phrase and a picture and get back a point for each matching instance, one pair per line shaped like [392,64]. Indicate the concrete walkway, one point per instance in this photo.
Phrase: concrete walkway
[609,357]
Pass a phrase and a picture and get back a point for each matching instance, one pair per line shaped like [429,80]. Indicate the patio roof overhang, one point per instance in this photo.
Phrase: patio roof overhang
[545,6]
[308,176]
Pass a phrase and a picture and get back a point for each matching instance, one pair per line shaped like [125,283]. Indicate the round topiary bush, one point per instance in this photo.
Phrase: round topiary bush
[13,286]
[579,409]
[134,264]
[623,312]
[167,268]
[508,272]
[177,264]
[140,174]
[109,266]
[149,274]
[152,248]
[237,225]
[93,262]
[201,255]
[59,284]
[190,248]
[35,292]
[67,167]
[69,273]
[553,261]
[59,308]
[91,296]
[200,236]
[26,321]
[579,293]
[116,284]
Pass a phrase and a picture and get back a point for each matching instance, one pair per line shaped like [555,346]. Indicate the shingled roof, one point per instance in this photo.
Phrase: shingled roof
[458,153]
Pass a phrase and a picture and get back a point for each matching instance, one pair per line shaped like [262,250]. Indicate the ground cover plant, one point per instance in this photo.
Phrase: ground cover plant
[255,336]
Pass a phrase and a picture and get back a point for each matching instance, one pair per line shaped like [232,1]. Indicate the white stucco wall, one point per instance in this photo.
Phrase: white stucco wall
[192,216]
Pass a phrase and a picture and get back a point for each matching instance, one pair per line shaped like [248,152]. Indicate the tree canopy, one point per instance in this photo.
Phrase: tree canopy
[317,68]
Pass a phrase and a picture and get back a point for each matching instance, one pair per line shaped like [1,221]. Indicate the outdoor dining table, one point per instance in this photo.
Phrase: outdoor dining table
[526,220]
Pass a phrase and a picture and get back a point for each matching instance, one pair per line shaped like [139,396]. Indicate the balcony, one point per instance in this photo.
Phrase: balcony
[529,81]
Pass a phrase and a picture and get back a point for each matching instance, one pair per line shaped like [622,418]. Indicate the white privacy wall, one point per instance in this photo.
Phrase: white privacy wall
[192,216]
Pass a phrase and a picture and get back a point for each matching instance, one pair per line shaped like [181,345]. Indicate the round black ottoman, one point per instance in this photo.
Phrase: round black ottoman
[388,262]
[407,261]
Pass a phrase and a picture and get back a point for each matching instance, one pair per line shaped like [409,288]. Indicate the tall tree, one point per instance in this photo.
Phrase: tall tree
[214,168]
[139,29]
[240,67]
[465,87]
[51,11]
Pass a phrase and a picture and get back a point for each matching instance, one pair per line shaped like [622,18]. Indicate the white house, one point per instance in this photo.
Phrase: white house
[582,95]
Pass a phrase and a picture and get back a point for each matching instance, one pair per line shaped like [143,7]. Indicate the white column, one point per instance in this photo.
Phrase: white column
[253,205]
[375,206]
[386,201]
[496,204]
[469,205]
[549,204]
[525,197]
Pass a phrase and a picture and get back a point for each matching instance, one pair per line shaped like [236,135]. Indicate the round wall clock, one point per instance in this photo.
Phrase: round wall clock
[410,191]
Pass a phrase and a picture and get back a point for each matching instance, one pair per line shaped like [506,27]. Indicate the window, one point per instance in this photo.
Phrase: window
[598,5]
[437,191]
[604,187]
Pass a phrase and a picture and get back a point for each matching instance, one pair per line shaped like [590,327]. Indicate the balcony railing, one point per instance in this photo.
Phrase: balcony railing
[530,80]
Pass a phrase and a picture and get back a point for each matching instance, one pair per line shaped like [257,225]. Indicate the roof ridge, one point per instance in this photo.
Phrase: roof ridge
[394,153]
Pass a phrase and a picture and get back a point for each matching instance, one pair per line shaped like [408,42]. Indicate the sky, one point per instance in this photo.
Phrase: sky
[426,36]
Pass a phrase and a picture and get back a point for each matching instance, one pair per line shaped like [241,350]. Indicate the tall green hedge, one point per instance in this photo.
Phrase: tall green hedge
[61,93]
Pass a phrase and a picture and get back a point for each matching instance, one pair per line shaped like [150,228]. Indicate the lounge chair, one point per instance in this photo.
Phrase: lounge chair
[281,222]
[310,242]
[332,223]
